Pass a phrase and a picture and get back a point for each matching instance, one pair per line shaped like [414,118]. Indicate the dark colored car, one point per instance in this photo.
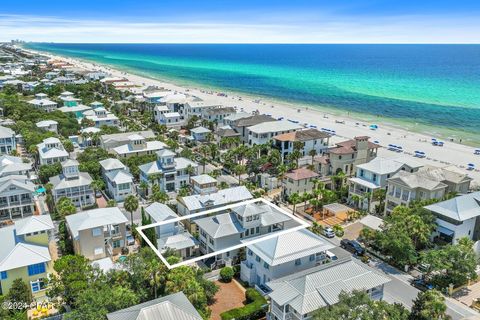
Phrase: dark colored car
[352,246]
[421,284]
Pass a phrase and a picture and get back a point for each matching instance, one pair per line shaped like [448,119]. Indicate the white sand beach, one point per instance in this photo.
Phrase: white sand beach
[451,154]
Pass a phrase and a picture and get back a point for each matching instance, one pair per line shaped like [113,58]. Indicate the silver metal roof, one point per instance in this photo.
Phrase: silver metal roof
[172,307]
[318,287]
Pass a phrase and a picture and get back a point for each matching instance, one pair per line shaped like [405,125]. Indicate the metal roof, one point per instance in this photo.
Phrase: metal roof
[25,254]
[278,250]
[160,212]
[34,224]
[222,197]
[172,307]
[94,218]
[221,225]
[318,287]
[460,208]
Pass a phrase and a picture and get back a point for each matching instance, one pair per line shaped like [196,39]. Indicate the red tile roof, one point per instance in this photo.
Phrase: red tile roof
[301,173]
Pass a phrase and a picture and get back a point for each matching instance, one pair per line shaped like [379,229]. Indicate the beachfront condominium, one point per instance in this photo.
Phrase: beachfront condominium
[216,115]
[372,176]
[276,257]
[240,125]
[345,156]
[7,140]
[170,172]
[197,108]
[263,133]
[73,184]
[425,184]
[308,140]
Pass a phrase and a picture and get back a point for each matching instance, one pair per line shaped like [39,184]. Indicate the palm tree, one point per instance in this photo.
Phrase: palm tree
[355,200]
[159,196]
[97,185]
[294,157]
[281,171]
[305,197]
[294,199]
[144,187]
[429,305]
[312,153]
[131,205]
[239,169]
[204,150]
[190,171]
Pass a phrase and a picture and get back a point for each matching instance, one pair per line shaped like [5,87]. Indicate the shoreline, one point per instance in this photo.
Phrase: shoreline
[451,134]
[346,126]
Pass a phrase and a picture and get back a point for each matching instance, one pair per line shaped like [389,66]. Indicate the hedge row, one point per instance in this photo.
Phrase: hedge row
[254,309]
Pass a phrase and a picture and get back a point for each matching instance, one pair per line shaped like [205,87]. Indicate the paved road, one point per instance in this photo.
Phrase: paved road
[399,289]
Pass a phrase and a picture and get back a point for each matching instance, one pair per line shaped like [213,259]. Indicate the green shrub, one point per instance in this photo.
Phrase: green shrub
[226,274]
[254,309]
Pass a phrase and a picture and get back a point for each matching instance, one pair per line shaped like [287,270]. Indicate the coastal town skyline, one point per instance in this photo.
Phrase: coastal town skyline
[304,21]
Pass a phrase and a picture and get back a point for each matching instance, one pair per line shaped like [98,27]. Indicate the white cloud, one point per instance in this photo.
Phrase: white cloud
[323,29]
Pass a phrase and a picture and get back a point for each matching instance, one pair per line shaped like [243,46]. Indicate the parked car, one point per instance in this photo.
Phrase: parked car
[330,255]
[130,239]
[328,232]
[421,284]
[352,246]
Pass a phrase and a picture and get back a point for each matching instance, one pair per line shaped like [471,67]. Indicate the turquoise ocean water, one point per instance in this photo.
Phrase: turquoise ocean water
[430,88]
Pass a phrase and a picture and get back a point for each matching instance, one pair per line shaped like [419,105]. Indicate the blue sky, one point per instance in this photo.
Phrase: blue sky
[246,21]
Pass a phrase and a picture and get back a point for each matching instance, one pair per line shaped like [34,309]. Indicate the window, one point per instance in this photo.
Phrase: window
[312,257]
[298,262]
[257,229]
[250,252]
[3,275]
[36,269]
[116,244]
[98,251]
[97,232]
[257,258]
[38,285]
[266,266]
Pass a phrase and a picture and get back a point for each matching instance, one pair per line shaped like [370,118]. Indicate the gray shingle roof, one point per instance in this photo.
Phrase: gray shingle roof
[172,307]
